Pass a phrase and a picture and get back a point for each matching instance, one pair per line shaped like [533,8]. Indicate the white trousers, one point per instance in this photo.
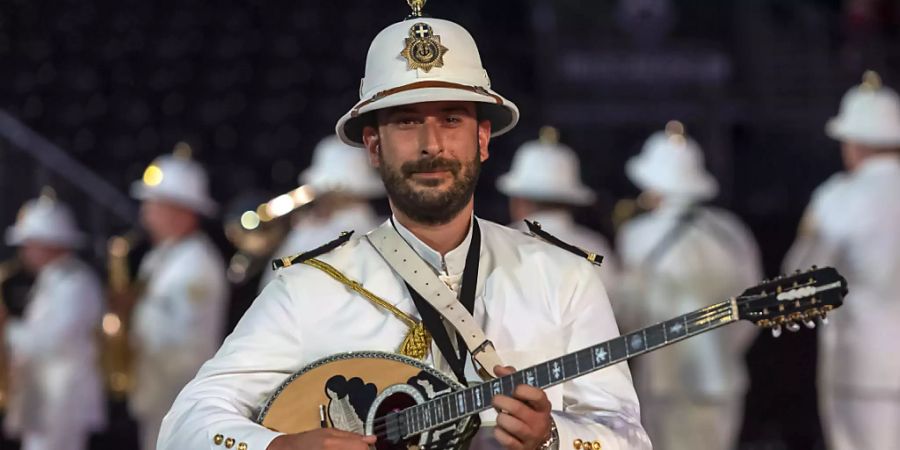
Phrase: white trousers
[690,424]
[856,421]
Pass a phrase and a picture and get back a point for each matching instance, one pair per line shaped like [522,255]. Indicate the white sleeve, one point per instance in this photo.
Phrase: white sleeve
[609,268]
[813,245]
[171,311]
[69,317]
[626,297]
[231,387]
[601,406]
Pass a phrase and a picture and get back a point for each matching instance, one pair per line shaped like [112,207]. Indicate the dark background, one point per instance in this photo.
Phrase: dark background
[253,85]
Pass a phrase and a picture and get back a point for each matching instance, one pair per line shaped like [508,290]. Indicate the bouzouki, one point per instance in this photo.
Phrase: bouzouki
[407,404]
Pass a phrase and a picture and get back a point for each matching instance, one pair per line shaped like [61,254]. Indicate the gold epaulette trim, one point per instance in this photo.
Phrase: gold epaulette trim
[417,342]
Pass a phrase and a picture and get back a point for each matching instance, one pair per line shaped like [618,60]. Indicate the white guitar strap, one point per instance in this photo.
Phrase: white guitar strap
[418,274]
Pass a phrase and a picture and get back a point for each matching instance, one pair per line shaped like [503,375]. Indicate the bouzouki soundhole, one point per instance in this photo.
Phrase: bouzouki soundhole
[387,427]
[385,417]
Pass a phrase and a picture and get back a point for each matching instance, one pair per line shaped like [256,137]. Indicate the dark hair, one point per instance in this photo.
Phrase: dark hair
[369,119]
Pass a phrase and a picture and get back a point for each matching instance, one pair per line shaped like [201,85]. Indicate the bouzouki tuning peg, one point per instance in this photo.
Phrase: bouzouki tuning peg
[776,331]
[809,324]
[792,327]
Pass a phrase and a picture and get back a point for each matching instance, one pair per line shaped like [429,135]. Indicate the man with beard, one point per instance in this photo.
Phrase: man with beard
[851,223]
[56,397]
[181,294]
[679,256]
[544,186]
[425,118]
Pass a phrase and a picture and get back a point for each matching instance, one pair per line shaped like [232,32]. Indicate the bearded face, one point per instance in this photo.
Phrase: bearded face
[420,196]
[429,156]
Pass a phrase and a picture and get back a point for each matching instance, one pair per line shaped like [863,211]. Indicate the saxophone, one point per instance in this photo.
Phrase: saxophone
[8,269]
[117,356]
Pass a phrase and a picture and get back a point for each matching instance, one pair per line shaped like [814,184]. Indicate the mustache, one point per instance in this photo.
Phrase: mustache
[431,165]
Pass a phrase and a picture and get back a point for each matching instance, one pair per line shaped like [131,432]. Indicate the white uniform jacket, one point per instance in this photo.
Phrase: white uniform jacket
[312,231]
[853,223]
[535,302]
[710,259]
[57,383]
[178,321]
[562,225]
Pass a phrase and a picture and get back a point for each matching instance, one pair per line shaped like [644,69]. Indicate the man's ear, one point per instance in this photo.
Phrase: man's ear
[484,138]
[372,141]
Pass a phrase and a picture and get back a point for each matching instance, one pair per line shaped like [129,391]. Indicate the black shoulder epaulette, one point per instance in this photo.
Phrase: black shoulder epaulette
[536,230]
[288,261]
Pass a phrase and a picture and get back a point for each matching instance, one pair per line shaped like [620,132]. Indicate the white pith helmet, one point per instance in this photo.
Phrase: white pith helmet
[546,170]
[671,164]
[178,179]
[869,115]
[423,59]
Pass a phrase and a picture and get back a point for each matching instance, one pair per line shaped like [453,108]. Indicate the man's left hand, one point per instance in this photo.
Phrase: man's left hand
[523,420]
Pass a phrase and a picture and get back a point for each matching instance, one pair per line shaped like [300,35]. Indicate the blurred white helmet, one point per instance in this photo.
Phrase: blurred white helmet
[869,115]
[45,220]
[671,164]
[546,170]
[338,167]
[425,60]
[176,179]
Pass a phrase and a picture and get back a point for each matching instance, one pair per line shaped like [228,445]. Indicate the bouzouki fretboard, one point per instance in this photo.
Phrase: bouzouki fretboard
[449,408]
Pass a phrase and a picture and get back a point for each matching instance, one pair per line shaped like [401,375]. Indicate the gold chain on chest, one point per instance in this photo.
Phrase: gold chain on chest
[417,342]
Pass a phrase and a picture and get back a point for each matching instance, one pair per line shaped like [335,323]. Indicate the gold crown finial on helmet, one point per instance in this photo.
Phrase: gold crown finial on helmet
[183,150]
[871,80]
[674,128]
[48,194]
[549,135]
[675,132]
[416,6]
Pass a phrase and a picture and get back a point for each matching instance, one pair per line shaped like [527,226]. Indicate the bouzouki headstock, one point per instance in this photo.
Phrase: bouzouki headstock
[788,300]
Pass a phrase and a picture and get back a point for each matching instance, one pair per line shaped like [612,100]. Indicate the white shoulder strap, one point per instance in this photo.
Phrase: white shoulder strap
[407,263]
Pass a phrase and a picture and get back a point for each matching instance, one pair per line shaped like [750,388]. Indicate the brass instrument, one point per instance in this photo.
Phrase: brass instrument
[282,205]
[116,358]
[628,208]
[8,269]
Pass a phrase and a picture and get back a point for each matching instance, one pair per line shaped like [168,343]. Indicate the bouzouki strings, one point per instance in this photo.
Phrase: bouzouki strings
[709,315]
[405,408]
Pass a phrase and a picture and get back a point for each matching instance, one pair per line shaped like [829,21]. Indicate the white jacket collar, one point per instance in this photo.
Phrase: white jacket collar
[878,164]
[451,263]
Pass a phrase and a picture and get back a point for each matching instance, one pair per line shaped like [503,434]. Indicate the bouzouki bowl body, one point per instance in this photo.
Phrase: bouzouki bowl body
[355,391]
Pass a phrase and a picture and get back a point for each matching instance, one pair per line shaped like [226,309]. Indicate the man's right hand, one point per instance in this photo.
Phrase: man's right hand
[322,439]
